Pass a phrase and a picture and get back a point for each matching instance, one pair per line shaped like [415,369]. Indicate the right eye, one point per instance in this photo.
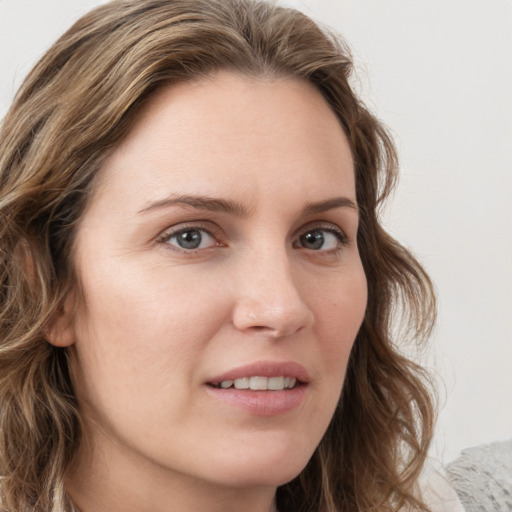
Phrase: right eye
[189,239]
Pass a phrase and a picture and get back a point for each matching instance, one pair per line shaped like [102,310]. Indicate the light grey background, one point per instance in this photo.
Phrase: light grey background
[439,74]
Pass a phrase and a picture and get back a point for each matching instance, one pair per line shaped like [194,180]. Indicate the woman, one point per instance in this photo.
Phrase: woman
[197,295]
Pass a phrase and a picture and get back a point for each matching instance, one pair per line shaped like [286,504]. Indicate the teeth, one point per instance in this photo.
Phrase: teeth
[242,383]
[258,383]
[276,383]
[289,382]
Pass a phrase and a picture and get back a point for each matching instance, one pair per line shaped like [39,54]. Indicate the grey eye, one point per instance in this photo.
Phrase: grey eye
[191,239]
[312,240]
[320,239]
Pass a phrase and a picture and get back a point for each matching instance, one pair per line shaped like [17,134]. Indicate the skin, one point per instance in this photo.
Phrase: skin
[159,321]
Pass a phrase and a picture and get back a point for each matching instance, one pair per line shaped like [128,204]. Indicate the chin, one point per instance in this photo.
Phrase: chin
[268,477]
[273,470]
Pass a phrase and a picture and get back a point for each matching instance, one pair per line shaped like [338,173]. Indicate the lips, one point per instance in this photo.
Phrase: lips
[262,375]
[261,389]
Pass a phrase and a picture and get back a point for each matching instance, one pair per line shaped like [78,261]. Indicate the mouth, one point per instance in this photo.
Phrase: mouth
[271,376]
[258,383]
[264,388]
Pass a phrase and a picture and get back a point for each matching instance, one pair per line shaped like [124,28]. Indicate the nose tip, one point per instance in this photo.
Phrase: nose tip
[276,322]
[271,305]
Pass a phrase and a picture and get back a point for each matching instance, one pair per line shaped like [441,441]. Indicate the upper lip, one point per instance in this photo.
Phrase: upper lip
[265,369]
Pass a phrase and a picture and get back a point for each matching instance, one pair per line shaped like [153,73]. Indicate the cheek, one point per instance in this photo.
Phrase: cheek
[149,299]
[340,313]
[140,341]
[143,326]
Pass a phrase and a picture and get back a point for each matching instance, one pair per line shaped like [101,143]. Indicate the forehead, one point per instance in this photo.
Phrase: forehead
[230,129]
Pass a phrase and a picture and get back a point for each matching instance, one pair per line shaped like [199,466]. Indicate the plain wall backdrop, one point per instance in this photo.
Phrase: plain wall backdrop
[439,74]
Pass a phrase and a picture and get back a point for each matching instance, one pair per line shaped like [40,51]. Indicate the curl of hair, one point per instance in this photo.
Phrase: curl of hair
[78,102]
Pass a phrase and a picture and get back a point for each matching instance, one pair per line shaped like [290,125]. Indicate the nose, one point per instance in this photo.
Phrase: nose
[269,301]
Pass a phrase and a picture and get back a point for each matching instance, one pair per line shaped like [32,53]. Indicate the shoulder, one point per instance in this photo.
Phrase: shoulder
[482,476]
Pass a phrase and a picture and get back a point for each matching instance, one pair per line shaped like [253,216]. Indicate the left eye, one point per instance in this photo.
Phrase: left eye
[321,239]
[191,239]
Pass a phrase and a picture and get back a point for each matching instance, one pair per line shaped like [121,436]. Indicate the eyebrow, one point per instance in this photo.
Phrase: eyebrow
[238,209]
[211,204]
[330,204]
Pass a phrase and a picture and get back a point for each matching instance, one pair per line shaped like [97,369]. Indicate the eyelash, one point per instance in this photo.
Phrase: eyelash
[165,238]
[340,235]
[168,235]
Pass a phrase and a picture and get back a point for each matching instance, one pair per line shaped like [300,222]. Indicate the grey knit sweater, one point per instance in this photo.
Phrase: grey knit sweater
[482,477]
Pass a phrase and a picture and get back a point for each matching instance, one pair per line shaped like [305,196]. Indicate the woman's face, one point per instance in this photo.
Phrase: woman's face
[217,252]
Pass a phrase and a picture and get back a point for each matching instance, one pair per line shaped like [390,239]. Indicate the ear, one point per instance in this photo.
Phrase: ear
[60,330]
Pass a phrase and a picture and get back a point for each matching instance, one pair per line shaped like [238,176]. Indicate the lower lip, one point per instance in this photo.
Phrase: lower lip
[261,403]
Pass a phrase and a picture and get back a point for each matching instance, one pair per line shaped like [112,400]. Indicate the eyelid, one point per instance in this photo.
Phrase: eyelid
[218,235]
[334,229]
[324,225]
[208,227]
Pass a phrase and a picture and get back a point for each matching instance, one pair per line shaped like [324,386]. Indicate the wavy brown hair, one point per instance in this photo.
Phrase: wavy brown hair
[78,103]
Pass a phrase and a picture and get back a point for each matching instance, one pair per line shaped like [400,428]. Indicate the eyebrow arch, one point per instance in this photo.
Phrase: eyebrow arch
[201,203]
[330,204]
